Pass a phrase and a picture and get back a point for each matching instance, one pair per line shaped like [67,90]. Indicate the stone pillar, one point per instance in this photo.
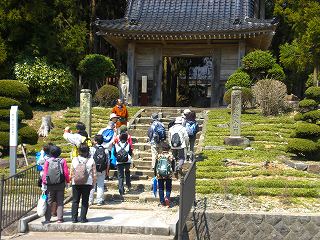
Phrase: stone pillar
[235,138]
[157,80]
[86,108]
[13,142]
[133,87]
[235,124]
[215,81]
[241,51]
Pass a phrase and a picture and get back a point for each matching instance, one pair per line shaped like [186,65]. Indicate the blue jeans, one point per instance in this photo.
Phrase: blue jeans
[123,168]
[161,188]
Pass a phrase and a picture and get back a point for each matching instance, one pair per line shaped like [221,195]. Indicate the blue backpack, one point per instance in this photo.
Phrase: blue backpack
[107,135]
[159,133]
[192,128]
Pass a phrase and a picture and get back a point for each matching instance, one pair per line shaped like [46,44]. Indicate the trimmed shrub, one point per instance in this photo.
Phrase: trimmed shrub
[303,147]
[4,126]
[276,73]
[4,138]
[96,67]
[312,116]
[14,89]
[313,93]
[258,60]
[6,103]
[308,103]
[307,130]
[270,95]
[298,116]
[28,135]
[246,97]
[27,110]
[107,95]
[309,82]
[49,84]
[240,79]
[5,114]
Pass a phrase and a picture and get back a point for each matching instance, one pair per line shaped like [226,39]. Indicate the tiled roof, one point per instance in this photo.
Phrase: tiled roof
[187,17]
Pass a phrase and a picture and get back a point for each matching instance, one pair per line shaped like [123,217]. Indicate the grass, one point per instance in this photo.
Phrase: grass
[250,177]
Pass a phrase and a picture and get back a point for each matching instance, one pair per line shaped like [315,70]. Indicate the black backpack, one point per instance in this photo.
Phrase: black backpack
[100,158]
[122,155]
[175,140]
[55,172]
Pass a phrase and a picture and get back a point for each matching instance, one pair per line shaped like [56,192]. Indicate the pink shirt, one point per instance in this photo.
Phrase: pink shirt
[64,167]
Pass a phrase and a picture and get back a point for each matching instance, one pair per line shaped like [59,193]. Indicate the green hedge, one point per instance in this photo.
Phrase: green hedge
[4,126]
[14,89]
[276,73]
[298,116]
[5,114]
[312,116]
[308,103]
[313,93]
[106,95]
[6,103]
[28,134]
[303,147]
[307,130]
[240,79]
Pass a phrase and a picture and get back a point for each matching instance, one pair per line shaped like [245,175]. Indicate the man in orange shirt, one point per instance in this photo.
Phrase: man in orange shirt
[121,111]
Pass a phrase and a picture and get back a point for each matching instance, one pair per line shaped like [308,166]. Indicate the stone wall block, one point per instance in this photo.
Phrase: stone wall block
[266,228]
[276,235]
[289,220]
[231,235]
[244,218]
[304,219]
[282,228]
[217,217]
[312,228]
[306,236]
[257,219]
[247,235]
[273,219]
[316,220]
[253,228]
[231,216]
[217,234]
[297,227]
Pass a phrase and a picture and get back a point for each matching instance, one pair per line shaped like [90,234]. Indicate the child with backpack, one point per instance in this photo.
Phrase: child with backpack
[55,176]
[178,140]
[163,171]
[122,152]
[83,175]
[157,135]
[101,158]
[192,129]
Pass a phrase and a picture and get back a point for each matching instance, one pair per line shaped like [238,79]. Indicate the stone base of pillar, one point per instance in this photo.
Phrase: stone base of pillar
[237,141]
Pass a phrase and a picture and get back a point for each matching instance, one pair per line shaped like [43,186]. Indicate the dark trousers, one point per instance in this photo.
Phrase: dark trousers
[161,183]
[83,192]
[55,195]
[123,168]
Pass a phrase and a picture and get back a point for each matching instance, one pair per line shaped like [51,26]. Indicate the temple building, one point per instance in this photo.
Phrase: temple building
[223,30]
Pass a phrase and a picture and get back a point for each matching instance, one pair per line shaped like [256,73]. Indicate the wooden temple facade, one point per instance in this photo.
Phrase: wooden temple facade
[153,29]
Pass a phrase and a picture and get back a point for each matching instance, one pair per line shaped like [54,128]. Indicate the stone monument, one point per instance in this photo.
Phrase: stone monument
[235,138]
[86,108]
[124,87]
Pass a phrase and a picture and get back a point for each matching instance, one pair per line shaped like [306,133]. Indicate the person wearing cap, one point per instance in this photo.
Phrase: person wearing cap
[124,129]
[184,116]
[81,136]
[121,111]
[155,131]
[179,141]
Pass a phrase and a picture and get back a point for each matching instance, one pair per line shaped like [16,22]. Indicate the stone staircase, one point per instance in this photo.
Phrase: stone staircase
[140,201]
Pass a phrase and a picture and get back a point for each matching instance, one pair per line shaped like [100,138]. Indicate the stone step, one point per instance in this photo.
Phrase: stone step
[141,185]
[145,127]
[147,120]
[162,222]
[134,172]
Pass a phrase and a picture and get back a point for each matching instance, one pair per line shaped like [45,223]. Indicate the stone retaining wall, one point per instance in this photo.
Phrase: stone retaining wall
[215,225]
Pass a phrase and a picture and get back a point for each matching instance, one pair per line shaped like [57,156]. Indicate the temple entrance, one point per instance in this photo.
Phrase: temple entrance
[186,81]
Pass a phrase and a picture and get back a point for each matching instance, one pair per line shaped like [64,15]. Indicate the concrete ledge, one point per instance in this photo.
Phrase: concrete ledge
[237,141]
[23,222]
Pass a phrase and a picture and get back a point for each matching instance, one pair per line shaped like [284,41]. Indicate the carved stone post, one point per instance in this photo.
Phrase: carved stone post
[235,138]
[86,108]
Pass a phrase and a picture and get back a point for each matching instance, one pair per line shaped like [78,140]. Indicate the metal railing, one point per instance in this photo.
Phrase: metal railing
[187,197]
[19,194]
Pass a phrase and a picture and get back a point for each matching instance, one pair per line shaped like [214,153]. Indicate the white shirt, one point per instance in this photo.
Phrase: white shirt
[183,134]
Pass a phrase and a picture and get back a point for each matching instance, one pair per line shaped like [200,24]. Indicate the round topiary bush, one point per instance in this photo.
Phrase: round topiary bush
[4,126]
[308,103]
[276,73]
[298,116]
[6,103]
[240,79]
[106,95]
[312,116]
[258,60]
[313,93]
[14,89]
[28,135]
[27,110]
[5,114]
[303,147]
[307,130]
[246,97]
